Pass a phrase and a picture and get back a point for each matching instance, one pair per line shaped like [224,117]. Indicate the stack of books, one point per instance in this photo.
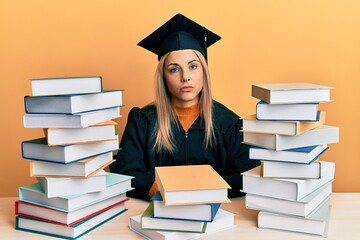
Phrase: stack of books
[187,206]
[73,193]
[292,187]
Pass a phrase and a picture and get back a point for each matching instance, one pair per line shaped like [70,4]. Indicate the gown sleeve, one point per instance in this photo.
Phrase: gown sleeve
[131,158]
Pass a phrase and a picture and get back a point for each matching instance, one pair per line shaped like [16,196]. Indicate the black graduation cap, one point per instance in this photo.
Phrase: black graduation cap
[179,33]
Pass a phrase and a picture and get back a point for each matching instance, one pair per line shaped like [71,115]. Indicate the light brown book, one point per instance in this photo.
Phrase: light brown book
[191,184]
[251,124]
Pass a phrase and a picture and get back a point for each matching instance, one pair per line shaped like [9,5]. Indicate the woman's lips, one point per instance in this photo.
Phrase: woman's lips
[186,89]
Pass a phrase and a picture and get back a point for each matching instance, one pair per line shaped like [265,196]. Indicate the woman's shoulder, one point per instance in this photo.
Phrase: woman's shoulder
[224,118]
[147,112]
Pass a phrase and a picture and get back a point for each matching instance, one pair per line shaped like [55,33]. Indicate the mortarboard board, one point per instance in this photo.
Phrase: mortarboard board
[179,33]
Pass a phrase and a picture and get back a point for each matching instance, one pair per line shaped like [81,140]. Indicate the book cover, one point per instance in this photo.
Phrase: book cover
[274,169]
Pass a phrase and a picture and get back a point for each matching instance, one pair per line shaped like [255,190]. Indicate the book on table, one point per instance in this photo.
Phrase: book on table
[148,221]
[66,85]
[47,214]
[196,212]
[69,232]
[303,155]
[296,92]
[98,132]
[224,220]
[116,184]
[287,112]
[283,188]
[191,184]
[251,124]
[75,103]
[323,134]
[316,224]
[302,207]
[82,169]
[60,186]
[272,169]
[37,149]
[79,120]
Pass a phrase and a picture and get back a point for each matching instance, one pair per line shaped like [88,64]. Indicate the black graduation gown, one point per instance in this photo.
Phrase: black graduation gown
[229,157]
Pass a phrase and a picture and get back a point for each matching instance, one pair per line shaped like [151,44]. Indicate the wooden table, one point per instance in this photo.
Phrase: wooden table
[344,222]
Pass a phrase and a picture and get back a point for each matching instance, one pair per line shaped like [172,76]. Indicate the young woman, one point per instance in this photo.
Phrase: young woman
[184,125]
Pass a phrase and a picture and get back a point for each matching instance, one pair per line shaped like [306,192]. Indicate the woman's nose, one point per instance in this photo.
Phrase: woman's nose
[185,76]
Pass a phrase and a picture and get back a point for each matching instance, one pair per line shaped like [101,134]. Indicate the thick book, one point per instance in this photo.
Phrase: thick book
[191,184]
[37,149]
[116,184]
[75,103]
[224,220]
[274,169]
[79,120]
[276,93]
[303,155]
[289,112]
[98,132]
[69,232]
[196,212]
[81,169]
[302,207]
[46,214]
[316,224]
[66,85]
[251,124]
[283,188]
[323,134]
[57,187]
[148,221]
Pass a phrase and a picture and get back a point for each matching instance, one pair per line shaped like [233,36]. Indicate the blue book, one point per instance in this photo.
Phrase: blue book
[193,212]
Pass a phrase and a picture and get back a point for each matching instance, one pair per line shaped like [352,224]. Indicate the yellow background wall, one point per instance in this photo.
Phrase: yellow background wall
[315,41]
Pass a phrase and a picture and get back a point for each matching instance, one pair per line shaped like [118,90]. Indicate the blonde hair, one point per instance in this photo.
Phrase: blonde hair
[166,116]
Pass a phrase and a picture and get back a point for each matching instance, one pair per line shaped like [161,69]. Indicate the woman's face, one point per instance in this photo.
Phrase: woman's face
[184,77]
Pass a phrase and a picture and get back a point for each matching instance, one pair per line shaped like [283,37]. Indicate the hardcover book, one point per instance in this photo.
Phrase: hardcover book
[274,169]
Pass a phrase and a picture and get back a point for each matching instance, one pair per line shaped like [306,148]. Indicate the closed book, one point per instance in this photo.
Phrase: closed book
[116,184]
[66,85]
[83,168]
[37,149]
[191,184]
[224,220]
[296,92]
[68,232]
[291,170]
[323,134]
[196,212]
[251,124]
[283,188]
[79,120]
[290,112]
[316,224]
[98,132]
[303,155]
[57,187]
[75,103]
[302,207]
[46,214]
[148,221]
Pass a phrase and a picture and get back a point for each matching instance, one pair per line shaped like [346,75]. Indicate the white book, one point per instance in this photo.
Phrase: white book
[82,168]
[56,187]
[302,207]
[37,149]
[283,188]
[286,112]
[273,169]
[323,134]
[75,103]
[66,85]
[98,132]
[296,92]
[224,220]
[303,155]
[316,224]
[80,120]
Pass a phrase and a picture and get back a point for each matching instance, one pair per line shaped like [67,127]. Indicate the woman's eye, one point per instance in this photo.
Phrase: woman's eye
[193,67]
[173,70]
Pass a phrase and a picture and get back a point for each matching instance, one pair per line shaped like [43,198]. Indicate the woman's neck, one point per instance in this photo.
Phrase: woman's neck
[187,115]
